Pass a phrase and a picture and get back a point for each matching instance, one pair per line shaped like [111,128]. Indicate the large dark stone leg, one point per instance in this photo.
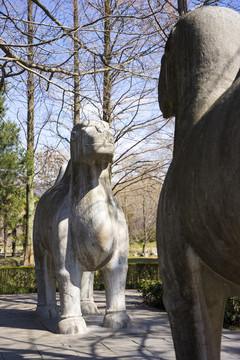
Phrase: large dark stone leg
[195,300]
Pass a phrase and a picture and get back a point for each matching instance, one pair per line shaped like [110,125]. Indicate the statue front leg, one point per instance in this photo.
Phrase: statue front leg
[115,273]
[71,321]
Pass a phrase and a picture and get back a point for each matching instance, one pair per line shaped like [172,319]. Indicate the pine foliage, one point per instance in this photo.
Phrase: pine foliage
[12,172]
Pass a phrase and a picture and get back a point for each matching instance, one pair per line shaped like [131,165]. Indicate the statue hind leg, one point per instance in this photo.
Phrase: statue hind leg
[46,284]
[115,273]
[195,299]
[88,305]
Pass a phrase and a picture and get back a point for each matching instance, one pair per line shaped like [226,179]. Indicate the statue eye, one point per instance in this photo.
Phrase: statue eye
[98,129]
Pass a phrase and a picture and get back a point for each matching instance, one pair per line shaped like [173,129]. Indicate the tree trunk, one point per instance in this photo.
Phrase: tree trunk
[107,86]
[182,7]
[145,237]
[14,235]
[5,237]
[28,256]
[76,115]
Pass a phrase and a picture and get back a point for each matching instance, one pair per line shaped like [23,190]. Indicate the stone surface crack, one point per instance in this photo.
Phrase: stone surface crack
[146,349]
[168,341]
[39,352]
[109,348]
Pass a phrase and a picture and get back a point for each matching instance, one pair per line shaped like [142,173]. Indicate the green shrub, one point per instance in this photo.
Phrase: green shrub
[152,293]
[98,281]
[141,271]
[8,262]
[17,280]
[232,313]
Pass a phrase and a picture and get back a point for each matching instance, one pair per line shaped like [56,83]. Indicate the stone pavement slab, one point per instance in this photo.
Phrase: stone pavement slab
[24,336]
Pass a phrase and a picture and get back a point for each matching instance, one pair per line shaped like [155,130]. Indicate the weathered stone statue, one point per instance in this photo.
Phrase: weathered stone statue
[198,227]
[79,227]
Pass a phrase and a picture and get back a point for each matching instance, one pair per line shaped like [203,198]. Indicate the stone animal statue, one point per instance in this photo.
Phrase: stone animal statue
[79,227]
[198,222]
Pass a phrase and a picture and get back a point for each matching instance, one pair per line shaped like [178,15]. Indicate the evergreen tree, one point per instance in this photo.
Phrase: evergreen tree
[12,169]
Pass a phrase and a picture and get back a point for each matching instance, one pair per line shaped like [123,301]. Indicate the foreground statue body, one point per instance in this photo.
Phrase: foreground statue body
[198,226]
[79,228]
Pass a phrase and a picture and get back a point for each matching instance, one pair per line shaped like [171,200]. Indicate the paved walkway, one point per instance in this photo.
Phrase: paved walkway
[24,336]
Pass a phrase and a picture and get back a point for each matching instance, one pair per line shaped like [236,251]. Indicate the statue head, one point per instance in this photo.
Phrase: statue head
[92,140]
[200,62]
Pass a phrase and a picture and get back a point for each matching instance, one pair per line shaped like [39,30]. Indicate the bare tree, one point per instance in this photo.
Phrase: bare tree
[107,84]
[182,7]
[139,202]
[47,164]
[116,47]
[28,253]
[126,96]
[118,44]
[76,65]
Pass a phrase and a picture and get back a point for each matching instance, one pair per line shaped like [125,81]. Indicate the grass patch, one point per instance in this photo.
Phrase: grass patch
[136,249]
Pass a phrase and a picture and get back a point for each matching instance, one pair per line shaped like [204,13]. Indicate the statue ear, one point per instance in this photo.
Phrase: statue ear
[165,92]
[168,42]
[167,80]
[73,135]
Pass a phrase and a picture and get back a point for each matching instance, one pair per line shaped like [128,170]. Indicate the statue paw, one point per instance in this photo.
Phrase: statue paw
[117,320]
[72,325]
[88,307]
[47,311]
